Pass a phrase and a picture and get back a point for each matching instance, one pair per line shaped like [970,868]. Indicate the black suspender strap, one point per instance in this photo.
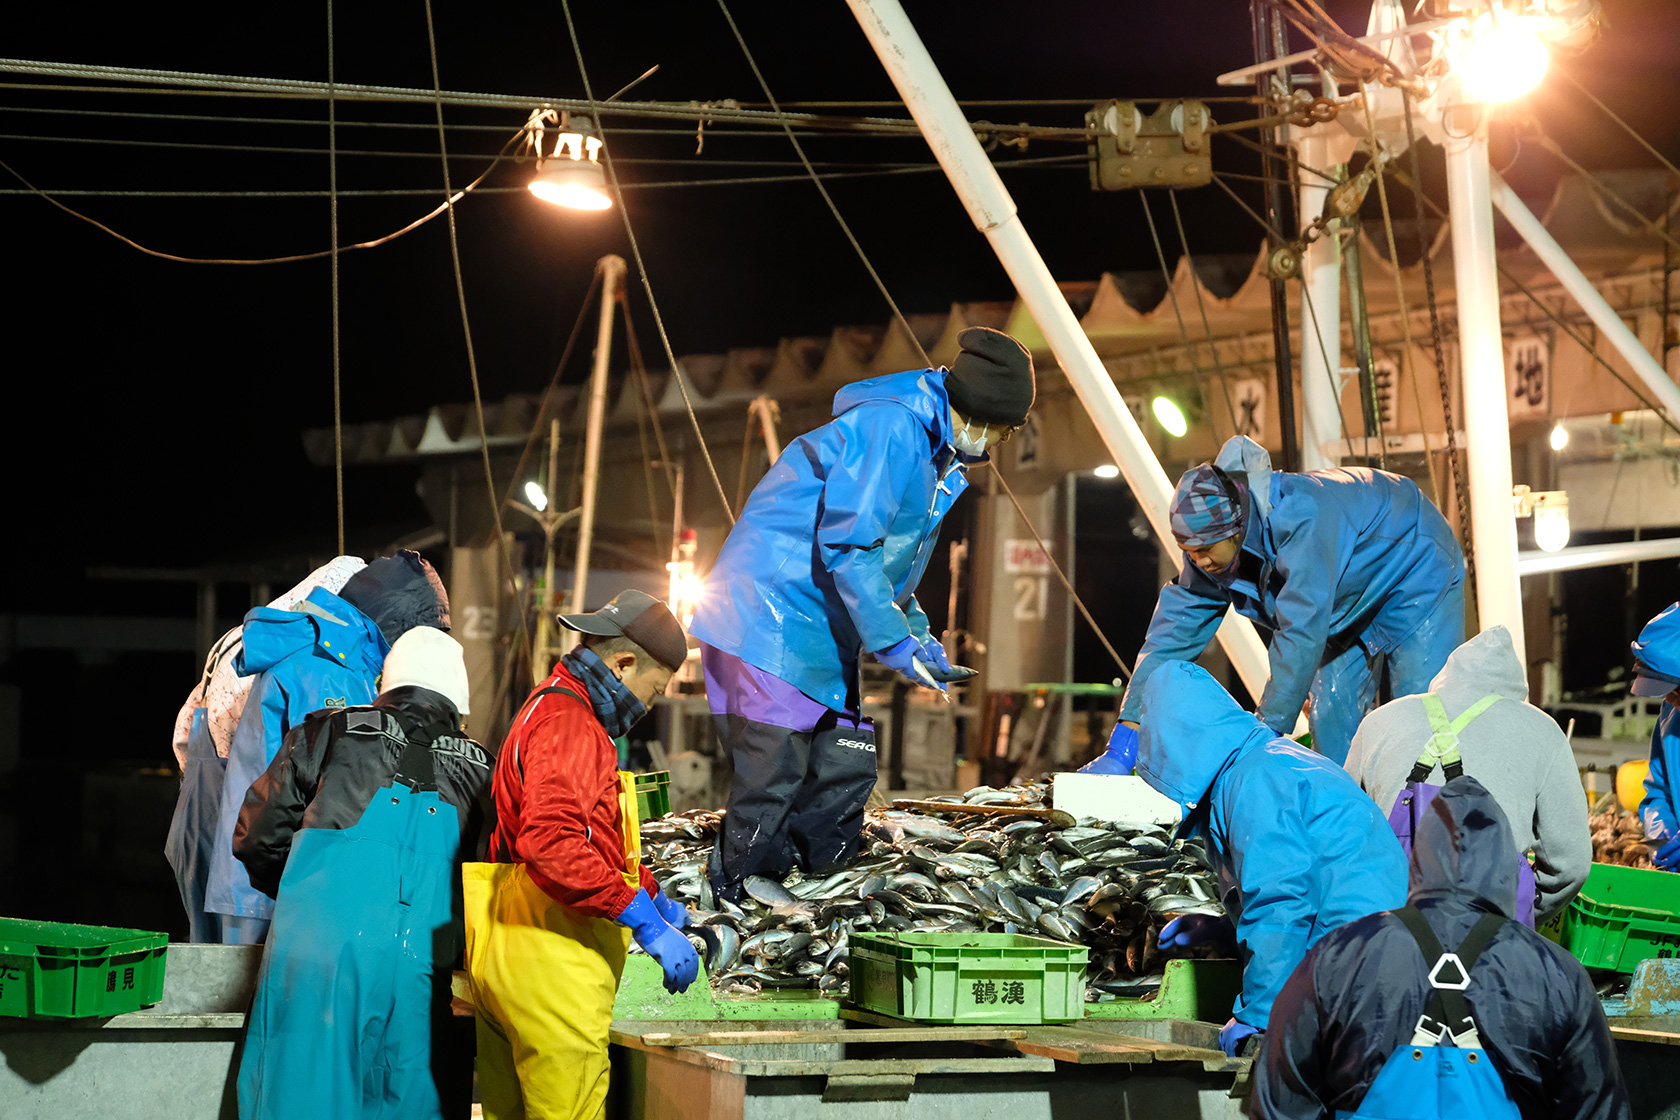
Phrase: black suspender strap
[1449,973]
[517,764]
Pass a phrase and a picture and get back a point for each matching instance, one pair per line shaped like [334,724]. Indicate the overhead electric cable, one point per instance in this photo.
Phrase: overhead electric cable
[523,638]
[641,266]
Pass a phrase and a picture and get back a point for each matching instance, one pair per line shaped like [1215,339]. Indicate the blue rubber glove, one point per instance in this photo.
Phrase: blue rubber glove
[1121,755]
[1232,1034]
[907,660]
[660,941]
[671,910]
[934,654]
[1667,857]
[1188,930]
[940,667]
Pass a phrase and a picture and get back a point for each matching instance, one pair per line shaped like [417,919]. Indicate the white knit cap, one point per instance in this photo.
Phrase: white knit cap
[428,658]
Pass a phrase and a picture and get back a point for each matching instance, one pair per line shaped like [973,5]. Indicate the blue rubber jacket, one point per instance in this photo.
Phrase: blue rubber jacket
[324,654]
[1356,998]
[1658,647]
[1297,846]
[828,551]
[1328,558]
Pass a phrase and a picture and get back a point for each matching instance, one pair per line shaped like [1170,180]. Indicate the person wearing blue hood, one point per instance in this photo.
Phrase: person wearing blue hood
[1447,1008]
[325,653]
[1297,846]
[1656,672]
[1352,572]
[823,565]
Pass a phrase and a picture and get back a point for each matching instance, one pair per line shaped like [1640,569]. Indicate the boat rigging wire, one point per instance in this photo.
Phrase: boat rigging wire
[636,252]
[1183,333]
[1625,126]
[332,173]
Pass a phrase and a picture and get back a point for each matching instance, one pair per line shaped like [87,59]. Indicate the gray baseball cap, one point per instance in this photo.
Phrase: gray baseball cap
[640,617]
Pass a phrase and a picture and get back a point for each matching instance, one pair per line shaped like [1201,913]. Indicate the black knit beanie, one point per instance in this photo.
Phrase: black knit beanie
[991,381]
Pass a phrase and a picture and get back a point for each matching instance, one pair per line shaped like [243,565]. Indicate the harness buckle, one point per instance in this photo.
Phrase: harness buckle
[1435,980]
[1423,1035]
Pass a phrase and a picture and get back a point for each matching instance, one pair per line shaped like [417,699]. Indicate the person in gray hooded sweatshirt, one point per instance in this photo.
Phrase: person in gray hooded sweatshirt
[1513,748]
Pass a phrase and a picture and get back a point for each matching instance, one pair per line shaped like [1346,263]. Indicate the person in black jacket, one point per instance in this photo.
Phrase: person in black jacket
[358,830]
[1359,994]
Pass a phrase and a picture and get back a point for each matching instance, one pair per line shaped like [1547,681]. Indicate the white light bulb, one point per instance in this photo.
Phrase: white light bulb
[1502,57]
[1551,525]
[1107,470]
[535,496]
[1169,415]
[573,196]
[1560,436]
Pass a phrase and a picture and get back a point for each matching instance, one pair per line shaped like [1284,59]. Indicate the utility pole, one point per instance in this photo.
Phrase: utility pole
[1324,150]
[612,282]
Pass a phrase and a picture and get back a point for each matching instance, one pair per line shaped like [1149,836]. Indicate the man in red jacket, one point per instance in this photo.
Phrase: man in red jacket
[549,921]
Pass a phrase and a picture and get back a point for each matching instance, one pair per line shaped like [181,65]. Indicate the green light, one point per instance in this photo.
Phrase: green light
[1169,416]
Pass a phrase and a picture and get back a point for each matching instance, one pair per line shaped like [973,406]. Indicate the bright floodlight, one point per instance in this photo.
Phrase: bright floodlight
[1107,470]
[1560,436]
[1551,523]
[1502,57]
[1169,415]
[572,176]
[534,494]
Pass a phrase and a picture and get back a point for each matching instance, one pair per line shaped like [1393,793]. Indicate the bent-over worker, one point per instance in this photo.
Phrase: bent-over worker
[1298,848]
[1377,1022]
[1656,668]
[358,830]
[1352,571]
[550,920]
[822,565]
[1475,720]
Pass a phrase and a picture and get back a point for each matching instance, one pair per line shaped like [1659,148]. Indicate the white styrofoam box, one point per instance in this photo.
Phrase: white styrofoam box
[1112,797]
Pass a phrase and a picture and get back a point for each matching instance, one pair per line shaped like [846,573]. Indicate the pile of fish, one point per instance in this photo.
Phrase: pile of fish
[1107,885]
[1619,838]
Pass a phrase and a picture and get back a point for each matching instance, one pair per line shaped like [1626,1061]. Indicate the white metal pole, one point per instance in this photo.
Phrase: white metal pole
[612,278]
[976,181]
[1487,425]
[1537,563]
[1581,290]
[1321,315]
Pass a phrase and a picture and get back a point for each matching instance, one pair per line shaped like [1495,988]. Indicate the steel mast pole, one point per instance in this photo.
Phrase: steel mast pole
[612,279]
[1321,308]
[976,181]
[1487,424]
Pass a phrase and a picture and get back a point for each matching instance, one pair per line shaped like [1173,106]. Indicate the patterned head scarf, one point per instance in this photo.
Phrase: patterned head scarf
[1207,507]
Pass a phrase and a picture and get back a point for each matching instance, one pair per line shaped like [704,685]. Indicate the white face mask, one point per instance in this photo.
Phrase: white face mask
[966,442]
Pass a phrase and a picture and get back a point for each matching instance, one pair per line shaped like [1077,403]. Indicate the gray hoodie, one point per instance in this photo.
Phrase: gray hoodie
[1514,749]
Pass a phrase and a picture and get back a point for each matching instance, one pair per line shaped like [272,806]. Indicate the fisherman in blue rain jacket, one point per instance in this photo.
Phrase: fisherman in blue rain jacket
[822,565]
[326,653]
[1351,570]
[1297,846]
[1656,668]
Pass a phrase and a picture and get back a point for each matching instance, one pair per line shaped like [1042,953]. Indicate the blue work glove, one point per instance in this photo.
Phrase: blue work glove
[662,942]
[940,667]
[1667,857]
[671,910]
[1232,1034]
[1121,755]
[1188,930]
[906,659]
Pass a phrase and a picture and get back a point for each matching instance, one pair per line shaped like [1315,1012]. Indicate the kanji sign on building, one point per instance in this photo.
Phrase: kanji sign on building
[1528,378]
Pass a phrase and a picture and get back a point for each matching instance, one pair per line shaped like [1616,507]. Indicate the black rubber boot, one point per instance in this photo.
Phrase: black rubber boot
[770,764]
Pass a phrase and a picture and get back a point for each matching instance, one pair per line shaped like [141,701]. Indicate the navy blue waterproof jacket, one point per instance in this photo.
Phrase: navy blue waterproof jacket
[1298,847]
[1659,648]
[1328,558]
[1358,995]
[828,551]
[325,654]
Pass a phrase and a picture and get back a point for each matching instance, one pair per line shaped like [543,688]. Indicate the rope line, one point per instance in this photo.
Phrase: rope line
[1201,307]
[1183,333]
[522,635]
[641,267]
[1628,128]
[332,179]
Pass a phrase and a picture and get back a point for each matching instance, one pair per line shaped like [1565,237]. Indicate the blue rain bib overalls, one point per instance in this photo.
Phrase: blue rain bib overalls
[1442,1073]
[192,831]
[362,936]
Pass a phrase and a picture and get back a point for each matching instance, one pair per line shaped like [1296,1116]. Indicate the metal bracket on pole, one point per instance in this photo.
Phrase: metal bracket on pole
[982,192]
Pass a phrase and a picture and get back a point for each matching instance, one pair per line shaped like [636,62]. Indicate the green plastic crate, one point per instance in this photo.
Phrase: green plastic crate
[59,971]
[653,794]
[968,977]
[1622,916]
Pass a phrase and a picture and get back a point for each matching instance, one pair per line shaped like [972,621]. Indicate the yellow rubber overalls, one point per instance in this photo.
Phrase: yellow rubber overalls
[544,979]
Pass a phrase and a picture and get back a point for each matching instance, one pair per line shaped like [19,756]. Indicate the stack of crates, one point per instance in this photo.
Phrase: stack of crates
[54,970]
[653,794]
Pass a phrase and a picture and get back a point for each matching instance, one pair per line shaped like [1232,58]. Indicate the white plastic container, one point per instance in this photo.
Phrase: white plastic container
[1112,797]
